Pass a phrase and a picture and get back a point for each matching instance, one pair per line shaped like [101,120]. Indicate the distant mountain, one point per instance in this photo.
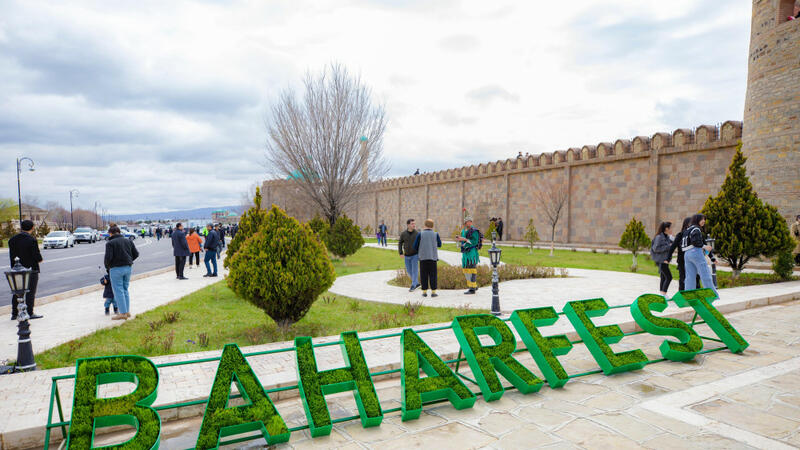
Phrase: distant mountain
[199,213]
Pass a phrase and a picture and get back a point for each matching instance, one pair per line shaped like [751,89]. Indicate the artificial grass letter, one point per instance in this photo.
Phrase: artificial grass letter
[485,360]
[258,414]
[690,343]
[543,349]
[90,412]
[700,300]
[315,384]
[415,390]
[597,338]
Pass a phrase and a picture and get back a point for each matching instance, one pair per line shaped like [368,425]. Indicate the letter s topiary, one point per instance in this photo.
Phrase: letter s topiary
[282,269]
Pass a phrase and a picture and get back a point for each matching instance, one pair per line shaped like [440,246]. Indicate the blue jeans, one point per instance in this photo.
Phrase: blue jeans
[211,255]
[695,262]
[412,268]
[120,279]
[109,302]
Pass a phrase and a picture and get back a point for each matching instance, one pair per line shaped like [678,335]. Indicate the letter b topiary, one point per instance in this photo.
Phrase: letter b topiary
[281,269]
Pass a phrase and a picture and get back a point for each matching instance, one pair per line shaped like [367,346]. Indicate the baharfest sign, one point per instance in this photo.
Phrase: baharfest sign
[488,363]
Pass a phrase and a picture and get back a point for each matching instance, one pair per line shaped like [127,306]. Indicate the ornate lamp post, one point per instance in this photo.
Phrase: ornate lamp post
[73,192]
[18,280]
[19,190]
[494,257]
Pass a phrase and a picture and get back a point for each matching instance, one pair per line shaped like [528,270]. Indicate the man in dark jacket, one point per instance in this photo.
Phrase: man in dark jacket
[180,248]
[406,248]
[499,228]
[210,246]
[221,236]
[25,247]
[119,257]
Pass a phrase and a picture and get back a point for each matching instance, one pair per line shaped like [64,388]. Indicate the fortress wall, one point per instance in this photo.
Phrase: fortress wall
[661,177]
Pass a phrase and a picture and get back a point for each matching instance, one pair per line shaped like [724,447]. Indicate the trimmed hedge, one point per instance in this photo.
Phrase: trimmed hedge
[314,385]
[690,343]
[414,390]
[700,300]
[543,349]
[486,361]
[90,412]
[259,414]
[597,338]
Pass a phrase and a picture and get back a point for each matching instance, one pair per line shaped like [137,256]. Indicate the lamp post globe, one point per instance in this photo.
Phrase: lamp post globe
[19,186]
[494,257]
[18,281]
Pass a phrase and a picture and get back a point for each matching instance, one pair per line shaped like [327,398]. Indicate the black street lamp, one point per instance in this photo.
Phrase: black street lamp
[494,257]
[72,193]
[18,280]
[19,190]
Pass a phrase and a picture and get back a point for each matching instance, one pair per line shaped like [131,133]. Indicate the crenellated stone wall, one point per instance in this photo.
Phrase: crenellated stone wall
[666,176]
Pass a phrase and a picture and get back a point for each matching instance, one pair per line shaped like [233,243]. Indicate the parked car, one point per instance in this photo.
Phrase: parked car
[104,235]
[84,234]
[55,239]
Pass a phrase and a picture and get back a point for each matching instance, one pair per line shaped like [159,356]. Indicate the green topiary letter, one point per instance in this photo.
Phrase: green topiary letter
[415,391]
[597,338]
[690,343]
[543,349]
[486,360]
[90,412]
[315,384]
[259,414]
[700,300]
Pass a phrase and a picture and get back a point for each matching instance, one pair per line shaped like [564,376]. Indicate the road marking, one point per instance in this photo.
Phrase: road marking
[673,405]
[66,258]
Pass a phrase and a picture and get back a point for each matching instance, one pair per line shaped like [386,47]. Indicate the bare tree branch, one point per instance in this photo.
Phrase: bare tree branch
[551,196]
[315,142]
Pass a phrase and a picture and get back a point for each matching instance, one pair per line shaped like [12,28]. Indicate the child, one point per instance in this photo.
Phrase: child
[108,294]
[426,245]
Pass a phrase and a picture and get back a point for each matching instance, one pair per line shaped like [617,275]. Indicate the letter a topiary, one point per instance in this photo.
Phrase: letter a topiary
[597,338]
[543,349]
[258,414]
[315,384]
[282,269]
[90,412]
[690,343]
[414,390]
[486,360]
[700,300]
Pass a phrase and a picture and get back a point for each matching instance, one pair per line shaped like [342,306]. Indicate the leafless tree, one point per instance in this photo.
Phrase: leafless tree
[552,196]
[246,199]
[316,141]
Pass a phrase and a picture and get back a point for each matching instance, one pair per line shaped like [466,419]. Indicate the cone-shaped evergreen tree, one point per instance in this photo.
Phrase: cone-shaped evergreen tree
[531,235]
[344,237]
[249,224]
[634,239]
[741,223]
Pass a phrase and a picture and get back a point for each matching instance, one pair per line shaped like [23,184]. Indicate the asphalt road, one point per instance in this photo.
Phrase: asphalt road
[64,269]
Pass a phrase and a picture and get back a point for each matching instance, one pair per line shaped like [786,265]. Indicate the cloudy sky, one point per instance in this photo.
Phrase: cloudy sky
[152,105]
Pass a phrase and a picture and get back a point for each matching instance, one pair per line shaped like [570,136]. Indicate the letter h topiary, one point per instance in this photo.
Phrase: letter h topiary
[314,385]
[90,412]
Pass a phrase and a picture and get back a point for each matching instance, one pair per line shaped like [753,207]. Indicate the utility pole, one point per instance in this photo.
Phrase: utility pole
[19,191]
[73,192]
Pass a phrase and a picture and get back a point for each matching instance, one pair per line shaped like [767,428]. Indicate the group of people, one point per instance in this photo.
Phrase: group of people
[189,246]
[498,226]
[420,250]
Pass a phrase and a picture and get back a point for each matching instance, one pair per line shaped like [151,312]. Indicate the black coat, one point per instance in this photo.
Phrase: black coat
[179,245]
[108,291]
[120,252]
[212,241]
[26,248]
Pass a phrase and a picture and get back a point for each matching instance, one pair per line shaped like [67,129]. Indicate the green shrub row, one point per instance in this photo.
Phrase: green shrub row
[451,277]
[543,349]
[689,342]
[700,300]
[259,414]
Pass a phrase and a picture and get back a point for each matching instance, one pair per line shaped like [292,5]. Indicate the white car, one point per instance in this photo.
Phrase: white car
[58,239]
[85,234]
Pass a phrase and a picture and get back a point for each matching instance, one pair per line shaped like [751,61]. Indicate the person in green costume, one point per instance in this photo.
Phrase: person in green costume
[468,241]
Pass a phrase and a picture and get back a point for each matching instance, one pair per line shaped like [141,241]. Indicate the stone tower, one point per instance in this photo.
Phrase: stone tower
[771,136]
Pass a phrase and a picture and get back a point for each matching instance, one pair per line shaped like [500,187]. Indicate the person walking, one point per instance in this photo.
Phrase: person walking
[427,244]
[796,235]
[694,248]
[195,242]
[406,248]
[660,254]
[469,241]
[180,248]
[25,247]
[676,244]
[119,258]
[221,236]
[382,229]
[499,228]
[108,294]
[210,246]
[220,245]
[159,233]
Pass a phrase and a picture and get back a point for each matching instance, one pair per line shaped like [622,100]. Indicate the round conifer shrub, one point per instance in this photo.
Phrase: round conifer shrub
[344,237]
[281,269]
[320,227]
[783,264]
